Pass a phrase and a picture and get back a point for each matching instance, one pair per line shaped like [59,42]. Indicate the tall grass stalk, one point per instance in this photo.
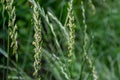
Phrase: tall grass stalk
[4,19]
[89,61]
[8,42]
[12,27]
[37,38]
[12,30]
[71,25]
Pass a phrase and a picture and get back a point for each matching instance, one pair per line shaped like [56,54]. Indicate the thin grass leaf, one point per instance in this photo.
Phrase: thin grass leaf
[60,25]
[3,52]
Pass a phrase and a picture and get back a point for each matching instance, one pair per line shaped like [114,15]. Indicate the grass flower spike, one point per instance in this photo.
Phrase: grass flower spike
[71,26]
[12,27]
[37,38]
[85,45]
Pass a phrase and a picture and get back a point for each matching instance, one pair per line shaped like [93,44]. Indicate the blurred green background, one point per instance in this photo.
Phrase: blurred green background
[103,46]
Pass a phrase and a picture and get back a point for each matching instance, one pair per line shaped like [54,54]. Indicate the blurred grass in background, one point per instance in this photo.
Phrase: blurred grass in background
[103,46]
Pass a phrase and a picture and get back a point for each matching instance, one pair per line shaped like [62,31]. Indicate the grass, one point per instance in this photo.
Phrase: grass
[59,40]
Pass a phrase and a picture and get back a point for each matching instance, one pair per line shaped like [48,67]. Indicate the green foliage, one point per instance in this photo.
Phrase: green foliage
[102,46]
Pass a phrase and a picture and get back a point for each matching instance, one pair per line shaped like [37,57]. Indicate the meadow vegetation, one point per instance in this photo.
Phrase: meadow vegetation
[59,40]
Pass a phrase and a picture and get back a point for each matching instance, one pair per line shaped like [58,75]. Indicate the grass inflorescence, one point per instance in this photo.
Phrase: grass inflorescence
[12,27]
[37,38]
[12,30]
[95,77]
[62,45]
[71,25]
